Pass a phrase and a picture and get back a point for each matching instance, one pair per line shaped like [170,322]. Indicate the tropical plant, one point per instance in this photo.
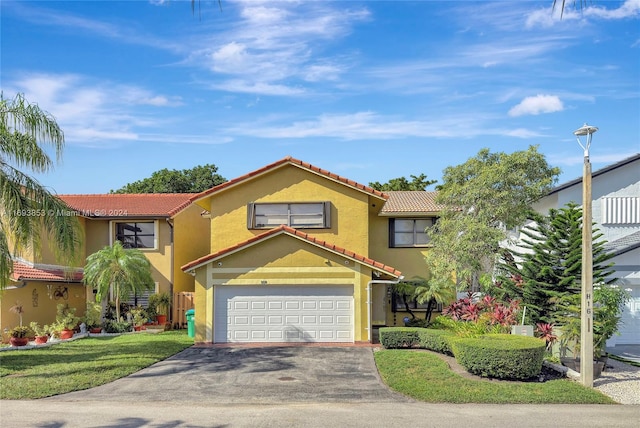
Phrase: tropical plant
[66,318]
[17,309]
[30,212]
[161,302]
[487,314]
[139,316]
[608,304]
[38,329]
[119,271]
[545,332]
[93,315]
[21,332]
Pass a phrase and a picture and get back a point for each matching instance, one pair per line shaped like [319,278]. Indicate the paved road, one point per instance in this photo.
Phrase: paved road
[281,387]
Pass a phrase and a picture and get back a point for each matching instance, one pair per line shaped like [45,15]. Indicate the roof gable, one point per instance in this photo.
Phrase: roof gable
[289,161]
[128,205]
[298,235]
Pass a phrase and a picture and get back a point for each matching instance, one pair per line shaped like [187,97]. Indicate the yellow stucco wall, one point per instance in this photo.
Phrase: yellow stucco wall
[349,210]
[410,261]
[192,235]
[281,260]
[37,304]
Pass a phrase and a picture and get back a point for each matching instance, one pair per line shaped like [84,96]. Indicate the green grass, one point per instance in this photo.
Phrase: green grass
[426,377]
[83,363]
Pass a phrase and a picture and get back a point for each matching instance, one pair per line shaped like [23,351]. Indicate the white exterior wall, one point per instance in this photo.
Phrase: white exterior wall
[620,182]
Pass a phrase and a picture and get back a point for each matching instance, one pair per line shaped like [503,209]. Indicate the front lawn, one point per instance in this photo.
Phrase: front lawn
[83,363]
[426,377]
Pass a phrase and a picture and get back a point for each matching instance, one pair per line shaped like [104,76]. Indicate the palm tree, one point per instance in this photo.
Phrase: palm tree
[118,271]
[563,4]
[29,212]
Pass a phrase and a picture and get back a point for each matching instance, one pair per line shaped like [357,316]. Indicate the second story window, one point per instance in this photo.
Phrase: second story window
[295,214]
[408,232]
[136,235]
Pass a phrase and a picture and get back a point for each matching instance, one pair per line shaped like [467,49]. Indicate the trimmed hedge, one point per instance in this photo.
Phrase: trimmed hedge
[502,356]
[399,337]
[412,337]
[436,340]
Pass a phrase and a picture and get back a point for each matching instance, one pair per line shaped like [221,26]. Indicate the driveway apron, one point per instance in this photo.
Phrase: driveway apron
[252,375]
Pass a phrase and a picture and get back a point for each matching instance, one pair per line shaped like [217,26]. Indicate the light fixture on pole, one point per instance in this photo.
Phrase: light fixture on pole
[586,301]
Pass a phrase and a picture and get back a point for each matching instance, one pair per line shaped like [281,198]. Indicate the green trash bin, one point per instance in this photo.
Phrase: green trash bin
[191,324]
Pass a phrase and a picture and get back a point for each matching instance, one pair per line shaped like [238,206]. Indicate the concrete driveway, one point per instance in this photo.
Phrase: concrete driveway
[252,375]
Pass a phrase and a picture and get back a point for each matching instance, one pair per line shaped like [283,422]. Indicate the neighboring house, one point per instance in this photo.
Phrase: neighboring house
[166,227]
[616,213]
[298,253]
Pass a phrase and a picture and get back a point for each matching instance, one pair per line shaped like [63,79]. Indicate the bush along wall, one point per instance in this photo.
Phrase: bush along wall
[399,337]
[501,356]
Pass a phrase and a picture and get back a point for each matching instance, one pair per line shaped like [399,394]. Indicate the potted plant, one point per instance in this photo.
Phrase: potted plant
[139,316]
[66,321]
[93,317]
[41,332]
[608,305]
[20,335]
[161,302]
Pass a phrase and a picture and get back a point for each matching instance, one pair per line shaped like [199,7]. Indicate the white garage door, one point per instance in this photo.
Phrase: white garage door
[283,314]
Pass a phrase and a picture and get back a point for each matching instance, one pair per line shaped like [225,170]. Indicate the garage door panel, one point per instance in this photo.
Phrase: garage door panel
[287,313]
[292,305]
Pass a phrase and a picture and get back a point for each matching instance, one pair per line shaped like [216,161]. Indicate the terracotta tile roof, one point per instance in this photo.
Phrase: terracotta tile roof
[301,235]
[410,202]
[27,271]
[128,205]
[290,161]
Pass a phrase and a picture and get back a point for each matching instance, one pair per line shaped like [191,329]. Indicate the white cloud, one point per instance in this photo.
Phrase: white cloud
[367,125]
[547,17]
[537,105]
[90,111]
[274,43]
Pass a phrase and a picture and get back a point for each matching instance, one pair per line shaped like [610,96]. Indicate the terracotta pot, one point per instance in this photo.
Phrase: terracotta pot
[137,327]
[161,319]
[66,334]
[19,341]
[96,330]
[41,339]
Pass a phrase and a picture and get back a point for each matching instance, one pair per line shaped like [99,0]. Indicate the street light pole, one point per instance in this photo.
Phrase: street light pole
[586,301]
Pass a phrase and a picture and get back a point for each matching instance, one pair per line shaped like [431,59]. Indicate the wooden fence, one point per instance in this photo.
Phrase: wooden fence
[182,302]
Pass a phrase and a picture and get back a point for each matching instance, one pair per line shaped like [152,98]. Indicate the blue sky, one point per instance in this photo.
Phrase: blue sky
[370,90]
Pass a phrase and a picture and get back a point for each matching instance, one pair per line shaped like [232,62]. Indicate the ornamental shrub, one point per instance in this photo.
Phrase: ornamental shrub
[501,356]
[436,340]
[399,337]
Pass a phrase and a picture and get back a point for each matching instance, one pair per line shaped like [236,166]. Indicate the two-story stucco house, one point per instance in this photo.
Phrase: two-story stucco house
[289,252]
[616,213]
[298,253]
[166,227]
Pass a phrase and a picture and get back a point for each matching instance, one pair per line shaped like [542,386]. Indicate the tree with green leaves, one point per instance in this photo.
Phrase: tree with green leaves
[30,213]
[194,180]
[419,182]
[547,267]
[118,272]
[483,198]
